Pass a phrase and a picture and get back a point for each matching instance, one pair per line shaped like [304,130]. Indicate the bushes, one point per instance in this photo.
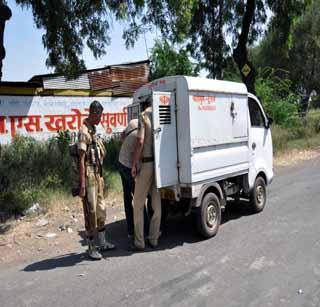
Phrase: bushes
[112,147]
[110,174]
[30,169]
[280,138]
[280,102]
[300,132]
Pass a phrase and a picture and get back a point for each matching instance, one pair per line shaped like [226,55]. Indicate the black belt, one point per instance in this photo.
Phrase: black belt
[147,159]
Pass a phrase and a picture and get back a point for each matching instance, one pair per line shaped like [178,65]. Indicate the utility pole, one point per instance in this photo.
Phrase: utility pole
[5,14]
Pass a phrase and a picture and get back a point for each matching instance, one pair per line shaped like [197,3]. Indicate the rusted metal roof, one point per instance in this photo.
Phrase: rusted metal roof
[128,86]
[101,79]
[121,79]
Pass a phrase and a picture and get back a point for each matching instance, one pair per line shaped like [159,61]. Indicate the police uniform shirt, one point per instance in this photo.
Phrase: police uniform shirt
[128,145]
[85,137]
[145,132]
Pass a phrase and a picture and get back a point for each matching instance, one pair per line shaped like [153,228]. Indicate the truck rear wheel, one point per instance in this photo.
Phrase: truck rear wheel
[209,215]
[258,196]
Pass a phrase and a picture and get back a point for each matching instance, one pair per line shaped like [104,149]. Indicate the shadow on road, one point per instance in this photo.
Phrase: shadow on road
[235,210]
[4,229]
[178,231]
[56,262]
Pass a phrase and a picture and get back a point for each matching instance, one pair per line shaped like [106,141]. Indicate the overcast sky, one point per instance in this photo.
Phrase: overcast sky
[25,55]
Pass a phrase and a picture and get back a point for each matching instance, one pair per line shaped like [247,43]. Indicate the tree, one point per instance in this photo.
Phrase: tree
[5,14]
[304,53]
[273,51]
[291,45]
[68,24]
[247,23]
[207,43]
[240,53]
[166,61]
[200,24]
[203,24]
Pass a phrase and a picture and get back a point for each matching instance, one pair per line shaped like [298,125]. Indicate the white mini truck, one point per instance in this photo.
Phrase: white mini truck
[212,140]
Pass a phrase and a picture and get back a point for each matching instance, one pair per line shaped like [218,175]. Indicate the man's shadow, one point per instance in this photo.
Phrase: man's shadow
[67,260]
[178,230]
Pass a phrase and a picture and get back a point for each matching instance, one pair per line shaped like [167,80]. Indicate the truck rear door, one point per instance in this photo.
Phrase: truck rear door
[165,138]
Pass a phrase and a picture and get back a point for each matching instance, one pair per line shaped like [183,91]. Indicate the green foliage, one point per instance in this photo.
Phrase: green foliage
[285,14]
[112,145]
[280,102]
[201,24]
[112,181]
[206,36]
[68,26]
[267,55]
[302,133]
[166,61]
[19,198]
[292,43]
[63,140]
[304,53]
[280,138]
[231,72]
[30,170]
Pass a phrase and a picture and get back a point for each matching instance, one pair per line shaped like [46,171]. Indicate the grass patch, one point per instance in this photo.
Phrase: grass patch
[34,172]
[306,143]
[57,199]
[112,181]
[302,133]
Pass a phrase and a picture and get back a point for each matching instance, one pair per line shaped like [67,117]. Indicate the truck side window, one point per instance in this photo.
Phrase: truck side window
[256,116]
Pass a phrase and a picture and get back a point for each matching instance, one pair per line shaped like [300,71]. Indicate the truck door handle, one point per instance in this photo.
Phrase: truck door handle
[254,145]
[157,130]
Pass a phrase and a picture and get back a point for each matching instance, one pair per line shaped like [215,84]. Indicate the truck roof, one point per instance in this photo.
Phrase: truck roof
[194,84]
[212,85]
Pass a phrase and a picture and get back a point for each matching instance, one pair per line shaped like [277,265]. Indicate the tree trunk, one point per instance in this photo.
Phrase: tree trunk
[220,40]
[240,53]
[5,14]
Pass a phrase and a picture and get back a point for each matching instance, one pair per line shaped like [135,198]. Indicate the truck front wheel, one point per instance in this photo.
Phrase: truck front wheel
[258,196]
[209,215]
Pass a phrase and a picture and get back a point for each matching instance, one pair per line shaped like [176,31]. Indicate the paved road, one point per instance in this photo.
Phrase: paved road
[266,259]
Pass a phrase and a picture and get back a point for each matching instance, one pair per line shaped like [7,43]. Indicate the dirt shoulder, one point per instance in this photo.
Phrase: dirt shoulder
[295,156]
[60,231]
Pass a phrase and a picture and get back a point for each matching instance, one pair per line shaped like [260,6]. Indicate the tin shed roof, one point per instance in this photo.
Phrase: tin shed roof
[120,79]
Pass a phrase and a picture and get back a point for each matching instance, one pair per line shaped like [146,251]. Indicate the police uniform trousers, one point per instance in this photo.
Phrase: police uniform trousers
[145,183]
[93,204]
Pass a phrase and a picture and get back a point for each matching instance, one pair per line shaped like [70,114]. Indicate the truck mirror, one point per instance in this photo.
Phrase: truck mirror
[269,122]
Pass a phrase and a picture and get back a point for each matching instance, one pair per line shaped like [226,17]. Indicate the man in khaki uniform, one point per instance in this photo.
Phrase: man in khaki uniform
[145,182]
[91,153]
[128,140]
